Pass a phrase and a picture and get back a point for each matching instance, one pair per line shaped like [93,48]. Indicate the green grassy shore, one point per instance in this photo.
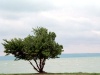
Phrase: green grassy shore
[57,74]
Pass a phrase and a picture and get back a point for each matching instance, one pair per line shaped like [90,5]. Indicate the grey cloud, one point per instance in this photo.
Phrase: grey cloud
[10,16]
[14,15]
[14,32]
[25,5]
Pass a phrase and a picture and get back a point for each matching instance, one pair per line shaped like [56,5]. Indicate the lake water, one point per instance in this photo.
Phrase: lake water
[60,65]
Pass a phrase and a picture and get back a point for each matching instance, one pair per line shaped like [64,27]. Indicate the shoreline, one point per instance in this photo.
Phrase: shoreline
[54,74]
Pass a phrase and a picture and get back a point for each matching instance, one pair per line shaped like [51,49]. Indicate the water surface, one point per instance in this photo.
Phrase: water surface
[59,65]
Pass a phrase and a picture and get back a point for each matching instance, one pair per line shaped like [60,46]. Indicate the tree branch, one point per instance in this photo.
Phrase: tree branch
[43,63]
[37,64]
[34,66]
[40,64]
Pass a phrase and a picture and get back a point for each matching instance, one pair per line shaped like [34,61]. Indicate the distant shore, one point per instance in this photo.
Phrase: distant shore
[73,55]
[55,74]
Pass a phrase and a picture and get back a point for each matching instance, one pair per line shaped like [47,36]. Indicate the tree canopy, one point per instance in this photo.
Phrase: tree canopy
[39,46]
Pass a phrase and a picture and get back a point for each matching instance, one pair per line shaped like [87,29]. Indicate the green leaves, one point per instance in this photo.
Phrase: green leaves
[39,45]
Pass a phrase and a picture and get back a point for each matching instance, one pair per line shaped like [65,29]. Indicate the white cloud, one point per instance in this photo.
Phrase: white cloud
[97,33]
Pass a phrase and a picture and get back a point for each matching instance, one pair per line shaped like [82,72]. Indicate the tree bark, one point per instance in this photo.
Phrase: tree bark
[34,66]
[42,63]
[39,66]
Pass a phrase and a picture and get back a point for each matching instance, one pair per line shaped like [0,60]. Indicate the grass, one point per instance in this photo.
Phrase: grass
[56,74]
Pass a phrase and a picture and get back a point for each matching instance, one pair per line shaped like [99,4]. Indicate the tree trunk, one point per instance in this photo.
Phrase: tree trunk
[39,66]
[41,71]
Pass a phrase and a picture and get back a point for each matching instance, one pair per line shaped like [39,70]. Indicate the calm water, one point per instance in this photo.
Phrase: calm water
[60,65]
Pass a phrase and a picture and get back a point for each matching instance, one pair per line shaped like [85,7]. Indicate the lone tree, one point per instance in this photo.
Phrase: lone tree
[38,47]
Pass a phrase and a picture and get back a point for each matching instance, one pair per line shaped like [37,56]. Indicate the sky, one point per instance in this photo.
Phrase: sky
[75,22]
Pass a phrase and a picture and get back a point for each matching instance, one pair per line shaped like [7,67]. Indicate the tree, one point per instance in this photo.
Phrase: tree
[38,47]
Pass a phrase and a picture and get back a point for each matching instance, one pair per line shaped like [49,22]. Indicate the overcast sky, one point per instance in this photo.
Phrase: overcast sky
[76,22]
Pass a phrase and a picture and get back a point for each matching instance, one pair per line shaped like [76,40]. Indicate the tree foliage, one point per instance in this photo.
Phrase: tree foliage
[38,47]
